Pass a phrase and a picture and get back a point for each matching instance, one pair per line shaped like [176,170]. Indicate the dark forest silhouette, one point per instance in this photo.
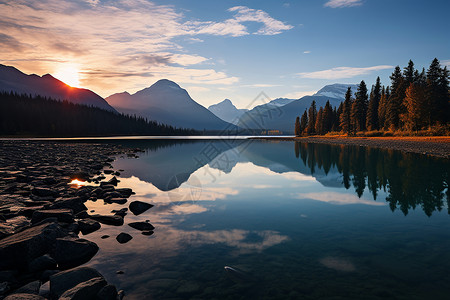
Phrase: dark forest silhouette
[410,179]
[415,102]
[26,115]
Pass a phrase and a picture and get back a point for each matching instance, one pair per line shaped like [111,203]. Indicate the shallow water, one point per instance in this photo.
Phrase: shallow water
[297,221]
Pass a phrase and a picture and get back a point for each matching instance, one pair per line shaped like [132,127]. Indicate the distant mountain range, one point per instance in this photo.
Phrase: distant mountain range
[227,111]
[14,80]
[166,102]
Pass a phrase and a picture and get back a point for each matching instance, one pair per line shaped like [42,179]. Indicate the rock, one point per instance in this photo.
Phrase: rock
[4,287]
[121,212]
[123,238]
[43,192]
[30,288]
[66,280]
[87,226]
[110,195]
[82,215]
[119,272]
[108,292]
[114,181]
[108,171]
[62,215]
[120,294]
[45,276]
[147,232]
[18,250]
[74,203]
[125,192]
[138,207]
[13,225]
[24,297]
[142,226]
[44,290]
[43,262]
[108,220]
[117,200]
[69,252]
[104,236]
[85,290]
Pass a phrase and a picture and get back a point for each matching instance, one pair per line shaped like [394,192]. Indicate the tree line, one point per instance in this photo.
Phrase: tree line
[413,102]
[26,115]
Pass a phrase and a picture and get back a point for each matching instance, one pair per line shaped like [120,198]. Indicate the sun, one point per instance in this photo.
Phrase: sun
[69,74]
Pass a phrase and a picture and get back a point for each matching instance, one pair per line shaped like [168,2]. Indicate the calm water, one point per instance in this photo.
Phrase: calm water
[299,221]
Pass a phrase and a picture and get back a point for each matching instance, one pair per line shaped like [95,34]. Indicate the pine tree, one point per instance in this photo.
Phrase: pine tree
[337,118]
[312,115]
[372,122]
[327,117]
[345,118]
[382,109]
[394,104]
[359,107]
[320,122]
[304,122]
[432,92]
[444,96]
[415,118]
[297,129]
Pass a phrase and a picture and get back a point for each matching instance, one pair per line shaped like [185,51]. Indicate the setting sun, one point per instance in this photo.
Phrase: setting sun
[68,74]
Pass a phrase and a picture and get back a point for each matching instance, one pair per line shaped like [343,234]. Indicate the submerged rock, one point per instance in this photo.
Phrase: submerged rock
[62,215]
[109,220]
[142,226]
[87,226]
[123,238]
[138,207]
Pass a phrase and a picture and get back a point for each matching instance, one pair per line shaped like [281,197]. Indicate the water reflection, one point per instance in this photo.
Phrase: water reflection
[404,180]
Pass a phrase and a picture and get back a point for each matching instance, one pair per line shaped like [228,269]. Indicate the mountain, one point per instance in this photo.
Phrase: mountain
[282,117]
[11,79]
[276,116]
[166,102]
[227,111]
[336,90]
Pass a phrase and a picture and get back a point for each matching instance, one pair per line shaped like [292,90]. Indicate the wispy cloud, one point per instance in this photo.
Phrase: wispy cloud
[136,39]
[342,3]
[445,63]
[342,72]
[306,52]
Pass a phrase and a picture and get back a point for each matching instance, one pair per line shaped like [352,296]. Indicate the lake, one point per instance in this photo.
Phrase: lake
[292,220]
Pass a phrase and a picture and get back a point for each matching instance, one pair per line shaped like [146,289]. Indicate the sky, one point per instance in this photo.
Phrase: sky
[222,49]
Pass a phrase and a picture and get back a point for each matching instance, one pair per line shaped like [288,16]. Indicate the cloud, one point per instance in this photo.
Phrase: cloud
[306,52]
[342,3]
[338,198]
[132,39]
[298,95]
[342,72]
[234,27]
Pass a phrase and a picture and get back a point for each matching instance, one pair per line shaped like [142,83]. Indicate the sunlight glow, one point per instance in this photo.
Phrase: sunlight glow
[69,74]
[78,182]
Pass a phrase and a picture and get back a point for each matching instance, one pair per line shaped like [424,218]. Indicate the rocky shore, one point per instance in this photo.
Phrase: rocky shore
[42,214]
[433,146]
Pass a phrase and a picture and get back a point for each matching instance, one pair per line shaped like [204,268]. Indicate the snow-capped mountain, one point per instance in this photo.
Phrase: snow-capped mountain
[336,90]
[166,102]
[227,111]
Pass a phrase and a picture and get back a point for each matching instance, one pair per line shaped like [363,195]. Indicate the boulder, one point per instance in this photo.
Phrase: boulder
[30,288]
[138,207]
[108,220]
[114,181]
[18,250]
[74,203]
[70,252]
[117,200]
[41,263]
[62,215]
[143,226]
[85,291]
[123,238]
[125,192]
[66,280]
[87,226]
[108,292]
[13,225]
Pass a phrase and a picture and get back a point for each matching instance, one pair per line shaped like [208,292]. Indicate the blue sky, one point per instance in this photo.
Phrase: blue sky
[222,49]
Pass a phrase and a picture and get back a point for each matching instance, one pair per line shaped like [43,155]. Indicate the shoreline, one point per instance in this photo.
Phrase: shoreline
[438,146]
[42,215]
